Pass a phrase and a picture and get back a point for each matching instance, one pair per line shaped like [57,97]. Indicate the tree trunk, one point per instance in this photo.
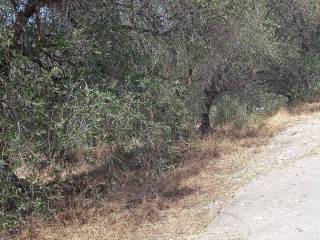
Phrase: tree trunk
[211,94]
[205,126]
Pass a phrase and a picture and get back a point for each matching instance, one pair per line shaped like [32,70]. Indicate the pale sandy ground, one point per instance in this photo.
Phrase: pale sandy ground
[282,203]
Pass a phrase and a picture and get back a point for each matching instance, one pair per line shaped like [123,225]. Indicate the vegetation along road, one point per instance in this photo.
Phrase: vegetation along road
[124,119]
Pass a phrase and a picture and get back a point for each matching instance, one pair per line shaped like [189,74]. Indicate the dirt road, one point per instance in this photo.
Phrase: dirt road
[283,203]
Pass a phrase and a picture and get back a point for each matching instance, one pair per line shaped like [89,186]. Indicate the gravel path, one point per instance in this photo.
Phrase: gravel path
[284,202]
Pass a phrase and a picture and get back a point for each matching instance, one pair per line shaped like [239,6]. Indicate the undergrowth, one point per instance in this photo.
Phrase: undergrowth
[139,199]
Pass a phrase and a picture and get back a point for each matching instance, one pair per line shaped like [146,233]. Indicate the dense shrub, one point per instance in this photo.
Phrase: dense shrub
[146,120]
[245,112]
[149,116]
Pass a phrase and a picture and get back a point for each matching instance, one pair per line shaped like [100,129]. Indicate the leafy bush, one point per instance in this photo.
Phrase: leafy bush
[229,111]
[245,112]
[148,117]
[144,121]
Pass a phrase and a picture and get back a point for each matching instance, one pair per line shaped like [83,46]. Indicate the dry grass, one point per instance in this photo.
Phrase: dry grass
[176,205]
[305,108]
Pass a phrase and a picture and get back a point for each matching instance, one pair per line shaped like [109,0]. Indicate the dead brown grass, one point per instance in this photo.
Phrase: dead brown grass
[175,205]
[305,108]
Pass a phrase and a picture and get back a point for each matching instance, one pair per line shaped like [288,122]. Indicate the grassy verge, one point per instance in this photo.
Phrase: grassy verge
[177,204]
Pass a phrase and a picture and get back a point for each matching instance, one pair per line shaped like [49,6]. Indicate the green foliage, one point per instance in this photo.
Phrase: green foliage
[230,110]
[10,197]
[135,75]
[149,115]
[240,112]
[84,84]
